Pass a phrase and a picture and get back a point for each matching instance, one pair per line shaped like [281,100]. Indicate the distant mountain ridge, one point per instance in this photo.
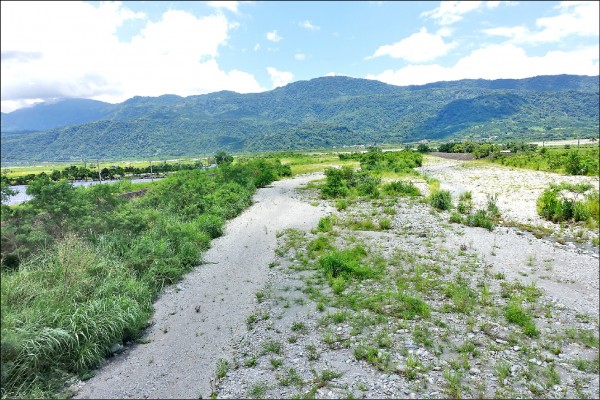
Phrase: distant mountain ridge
[322,112]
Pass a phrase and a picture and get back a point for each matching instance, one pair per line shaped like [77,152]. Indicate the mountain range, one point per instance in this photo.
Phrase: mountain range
[320,113]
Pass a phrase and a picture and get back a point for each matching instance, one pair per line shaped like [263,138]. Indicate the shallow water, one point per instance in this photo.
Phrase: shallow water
[22,197]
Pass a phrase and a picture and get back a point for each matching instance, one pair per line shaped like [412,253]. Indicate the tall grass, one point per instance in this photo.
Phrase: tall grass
[66,300]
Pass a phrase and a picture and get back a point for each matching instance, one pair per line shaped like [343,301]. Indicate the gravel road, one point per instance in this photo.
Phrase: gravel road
[196,322]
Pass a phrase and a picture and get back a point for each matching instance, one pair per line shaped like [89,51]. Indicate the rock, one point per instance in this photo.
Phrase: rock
[116,348]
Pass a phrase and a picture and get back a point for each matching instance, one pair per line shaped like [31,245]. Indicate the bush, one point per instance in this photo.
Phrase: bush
[441,199]
[465,203]
[401,188]
[481,219]
[565,202]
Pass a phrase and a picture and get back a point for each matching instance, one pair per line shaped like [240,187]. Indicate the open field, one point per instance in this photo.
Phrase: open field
[570,142]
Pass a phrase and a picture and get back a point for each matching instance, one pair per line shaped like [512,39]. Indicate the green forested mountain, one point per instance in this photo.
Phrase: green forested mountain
[323,112]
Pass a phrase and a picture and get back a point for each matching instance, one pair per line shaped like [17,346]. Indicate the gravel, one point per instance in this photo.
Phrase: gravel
[249,305]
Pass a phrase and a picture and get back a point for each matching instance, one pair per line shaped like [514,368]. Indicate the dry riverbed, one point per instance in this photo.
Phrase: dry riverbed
[427,316]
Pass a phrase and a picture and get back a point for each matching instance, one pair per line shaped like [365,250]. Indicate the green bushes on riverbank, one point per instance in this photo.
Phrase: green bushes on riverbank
[81,266]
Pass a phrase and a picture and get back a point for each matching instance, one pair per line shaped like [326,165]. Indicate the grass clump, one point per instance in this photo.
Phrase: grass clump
[381,359]
[346,264]
[515,313]
[441,199]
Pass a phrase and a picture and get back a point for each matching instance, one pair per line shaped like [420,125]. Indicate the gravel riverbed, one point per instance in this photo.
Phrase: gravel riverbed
[260,319]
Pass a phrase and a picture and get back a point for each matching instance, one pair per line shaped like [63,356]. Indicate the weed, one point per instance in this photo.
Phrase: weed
[250,362]
[413,366]
[325,224]
[383,340]
[591,366]
[422,335]
[313,354]
[585,337]
[453,386]
[299,327]
[516,314]
[258,390]
[292,377]
[222,368]
[502,371]
[385,224]
[276,362]
[389,211]
[272,346]
[379,358]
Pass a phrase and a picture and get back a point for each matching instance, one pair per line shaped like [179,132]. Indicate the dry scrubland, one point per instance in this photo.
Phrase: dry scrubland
[383,299]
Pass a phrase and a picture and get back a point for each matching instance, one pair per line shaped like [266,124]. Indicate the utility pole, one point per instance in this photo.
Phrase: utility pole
[151,176]
[99,174]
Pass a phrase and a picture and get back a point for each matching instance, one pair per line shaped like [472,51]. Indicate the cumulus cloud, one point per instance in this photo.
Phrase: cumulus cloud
[418,47]
[495,62]
[308,25]
[450,12]
[70,49]
[279,78]
[273,36]
[574,19]
[300,56]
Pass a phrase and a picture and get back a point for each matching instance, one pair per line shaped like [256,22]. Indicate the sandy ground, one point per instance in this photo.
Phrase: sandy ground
[516,190]
[196,322]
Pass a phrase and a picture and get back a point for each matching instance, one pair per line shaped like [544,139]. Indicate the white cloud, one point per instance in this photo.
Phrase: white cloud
[418,47]
[228,5]
[495,62]
[450,12]
[279,78]
[300,56]
[308,25]
[332,74]
[574,19]
[70,49]
[256,46]
[273,36]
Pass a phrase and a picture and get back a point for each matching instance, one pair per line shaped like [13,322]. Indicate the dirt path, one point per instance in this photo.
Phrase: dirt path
[197,321]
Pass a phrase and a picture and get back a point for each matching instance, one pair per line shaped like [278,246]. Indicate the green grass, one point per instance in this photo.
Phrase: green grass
[381,359]
[515,313]
[85,277]
[272,346]
[441,200]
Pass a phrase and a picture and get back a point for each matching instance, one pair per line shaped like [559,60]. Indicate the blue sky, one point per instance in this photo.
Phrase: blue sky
[112,51]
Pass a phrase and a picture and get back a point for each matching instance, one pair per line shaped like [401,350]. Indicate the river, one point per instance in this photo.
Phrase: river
[21,196]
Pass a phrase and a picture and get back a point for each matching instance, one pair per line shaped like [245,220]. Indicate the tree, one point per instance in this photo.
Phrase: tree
[223,158]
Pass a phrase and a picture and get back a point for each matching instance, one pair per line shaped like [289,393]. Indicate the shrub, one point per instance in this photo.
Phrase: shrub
[564,202]
[401,188]
[481,219]
[441,199]
[465,203]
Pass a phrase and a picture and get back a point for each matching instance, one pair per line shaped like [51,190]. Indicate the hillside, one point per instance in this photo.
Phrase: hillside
[322,112]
